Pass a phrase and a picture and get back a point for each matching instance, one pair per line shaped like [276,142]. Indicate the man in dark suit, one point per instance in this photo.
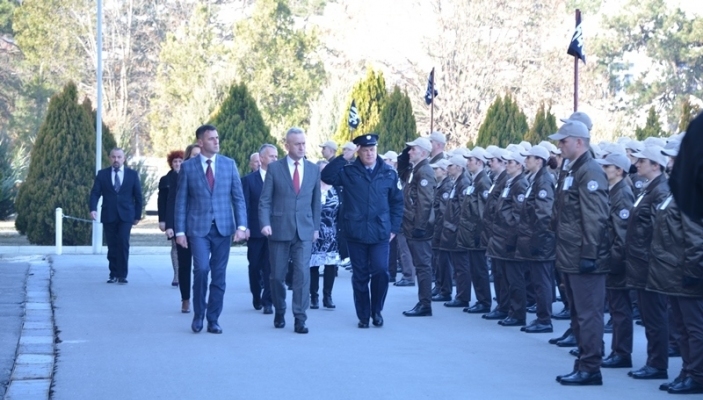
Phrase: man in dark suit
[209,205]
[289,215]
[257,243]
[121,191]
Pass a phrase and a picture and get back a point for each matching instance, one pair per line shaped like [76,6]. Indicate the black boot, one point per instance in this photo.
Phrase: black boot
[314,287]
[327,284]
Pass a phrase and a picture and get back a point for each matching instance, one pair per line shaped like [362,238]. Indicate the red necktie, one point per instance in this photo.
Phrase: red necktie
[296,179]
[209,176]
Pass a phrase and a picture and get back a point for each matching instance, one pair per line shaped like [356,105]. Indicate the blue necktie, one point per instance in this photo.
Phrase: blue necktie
[118,185]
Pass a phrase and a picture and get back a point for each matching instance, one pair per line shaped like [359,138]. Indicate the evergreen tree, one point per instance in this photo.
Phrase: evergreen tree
[545,124]
[61,173]
[370,95]
[240,126]
[397,124]
[652,128]
[505,123]
[688,113]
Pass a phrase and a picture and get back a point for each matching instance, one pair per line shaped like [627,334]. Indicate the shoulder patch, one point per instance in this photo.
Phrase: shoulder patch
[542,194]
[592,186]
[485,194]
[624,214]
[521,198]
[639,184]
[445,195]
[423,182]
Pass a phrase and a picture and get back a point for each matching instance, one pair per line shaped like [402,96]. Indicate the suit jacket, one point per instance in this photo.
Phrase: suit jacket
[283,210]
[197,207]
[251,186]
[125,205]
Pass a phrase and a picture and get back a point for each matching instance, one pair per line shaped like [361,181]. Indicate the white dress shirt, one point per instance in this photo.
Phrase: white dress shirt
[263,174]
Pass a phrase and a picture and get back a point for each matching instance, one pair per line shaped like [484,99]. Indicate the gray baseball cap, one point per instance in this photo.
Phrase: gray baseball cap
[571,128]
[582,117]
[619,160]
[653,153]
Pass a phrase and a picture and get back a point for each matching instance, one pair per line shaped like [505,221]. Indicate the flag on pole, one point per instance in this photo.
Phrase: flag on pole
[431,92]
[576,45]
[354,119]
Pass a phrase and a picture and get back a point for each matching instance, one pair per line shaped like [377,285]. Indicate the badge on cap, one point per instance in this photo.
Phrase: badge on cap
[624,214]
[542,194]
[639,184]
[592,186]
[521,198]
[445,195]
[423,182]
[368,137]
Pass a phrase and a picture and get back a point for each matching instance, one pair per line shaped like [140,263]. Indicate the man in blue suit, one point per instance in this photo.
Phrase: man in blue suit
[257,243]
[209,205]
[121,191]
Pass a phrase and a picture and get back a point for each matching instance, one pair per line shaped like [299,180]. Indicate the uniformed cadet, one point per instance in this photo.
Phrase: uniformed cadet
[616,167]
[441,265]
[470,228]
[653,306]
[372,217]
[418,221]
[502,244]
[535,241]
[633,146]
[459,258]
[582,248]
[676,270]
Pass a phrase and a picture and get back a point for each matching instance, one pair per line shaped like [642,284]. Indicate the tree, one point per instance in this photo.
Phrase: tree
[241,127]
[652,127]
[279,63]
[505,123]
[60,174]
[544,125]
[370,95]
[688,113]
[397,122]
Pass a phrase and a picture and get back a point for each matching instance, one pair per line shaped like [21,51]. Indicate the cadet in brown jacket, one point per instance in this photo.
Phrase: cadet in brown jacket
[503,242]
[653,306]
[441,264]
[582,249]
[676,270]
[471,228]
[535,242]
[418,222]
[616,167]
[458,256]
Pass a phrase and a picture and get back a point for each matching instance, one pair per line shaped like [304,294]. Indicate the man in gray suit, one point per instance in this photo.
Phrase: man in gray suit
[209,204]
[289,214]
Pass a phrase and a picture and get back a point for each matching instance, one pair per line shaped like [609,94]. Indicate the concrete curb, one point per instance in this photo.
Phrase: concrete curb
[34,364]
[13,251]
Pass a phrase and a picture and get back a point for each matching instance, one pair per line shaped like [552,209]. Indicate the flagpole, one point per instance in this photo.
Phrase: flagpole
[432,115]
[576,69]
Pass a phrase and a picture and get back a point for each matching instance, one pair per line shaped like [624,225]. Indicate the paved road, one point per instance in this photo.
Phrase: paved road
[13,276]
[132,342]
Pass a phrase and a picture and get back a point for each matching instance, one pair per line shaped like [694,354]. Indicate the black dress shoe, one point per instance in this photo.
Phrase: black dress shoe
[314,302]
[581,378]
[539,328]
[534,321]
[674,352]
[575,352]
[112,280]
[665,386]
[532,309]
[435,291]
[405,282]
[197,324]
[510,321]
[478,308]
[648,372]
[122,280]
[495,314]
[562,337]
[363,324]
[562,315]
[560,377]
[214,327]
[569,341]
[279,321]
[419,311]
[268,310]
[327,302]
[300,327]
[616,361]
[456,303]
[377,319]
[442,297]
[688,386]
[256,303]
[639,322]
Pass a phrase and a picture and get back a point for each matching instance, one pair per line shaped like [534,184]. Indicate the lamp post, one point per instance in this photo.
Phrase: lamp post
[97,227]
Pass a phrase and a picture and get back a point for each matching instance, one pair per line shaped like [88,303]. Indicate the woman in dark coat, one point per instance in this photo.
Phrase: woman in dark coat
[325,250]
[174,159]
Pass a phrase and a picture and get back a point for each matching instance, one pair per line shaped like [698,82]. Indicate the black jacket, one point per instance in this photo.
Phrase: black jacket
[621,201]
[418,197]
[449,225]
[535,240]
[472,210]
[494,192]
[503,241]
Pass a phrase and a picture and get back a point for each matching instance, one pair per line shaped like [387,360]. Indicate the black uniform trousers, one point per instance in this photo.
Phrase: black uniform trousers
[656,327]
[369,263]
[586,294]
[541,278]
[516,279]
[442,260]
[421,252]
[479,277]
[185,269]
[621,313]
[259,270]
[117,240]
[500,283]
[688,317]
[460,261]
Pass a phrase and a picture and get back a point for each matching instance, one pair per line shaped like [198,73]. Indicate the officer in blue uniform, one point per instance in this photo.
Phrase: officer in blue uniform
[373,211]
